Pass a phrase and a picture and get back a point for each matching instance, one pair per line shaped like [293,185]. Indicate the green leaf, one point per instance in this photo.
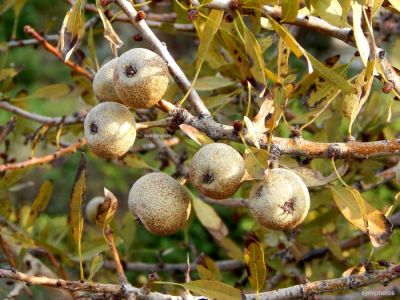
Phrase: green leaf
[95,266]
[209,219]
[362,215]
[78,195]
[233,250]
[209,83]
[290,8]
[73,29]
[255,264]
[40,203]
[323,70]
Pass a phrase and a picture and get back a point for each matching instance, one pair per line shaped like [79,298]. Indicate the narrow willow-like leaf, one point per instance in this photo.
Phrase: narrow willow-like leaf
[41,201]
[361,40]
[210,219]
[255,264]
[109,32]
[197,136]
[210,29]
[211,289]
[95,265]
[73,29]
[290,8]
[78,196]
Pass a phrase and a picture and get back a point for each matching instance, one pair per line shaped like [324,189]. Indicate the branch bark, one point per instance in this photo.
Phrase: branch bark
[44,159]
[53,50]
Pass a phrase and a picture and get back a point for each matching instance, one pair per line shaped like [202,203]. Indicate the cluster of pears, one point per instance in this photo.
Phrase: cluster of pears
[136,79]
[280,201]
[139,79]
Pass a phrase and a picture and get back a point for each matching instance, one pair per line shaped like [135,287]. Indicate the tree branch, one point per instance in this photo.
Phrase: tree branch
[160,48]
[40,118]
[44,159]
[324,286]
[53,50]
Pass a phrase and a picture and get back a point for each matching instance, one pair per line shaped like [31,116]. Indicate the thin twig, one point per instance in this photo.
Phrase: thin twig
[44,159]
[53,50]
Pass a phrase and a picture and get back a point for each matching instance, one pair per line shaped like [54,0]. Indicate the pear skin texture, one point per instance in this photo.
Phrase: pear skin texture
[103,85]
[281,201]
[140,78]
[92,208]
[110,129]
[160,202]
[217,170]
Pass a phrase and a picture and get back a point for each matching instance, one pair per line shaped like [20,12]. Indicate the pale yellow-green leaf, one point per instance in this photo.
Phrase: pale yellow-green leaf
[73,29]
[210,219]
[329,10]
[213,289]
[95,265]
[290,8]
[395,4]
[135,161]
[254,260]
[232,249]
[52,91]
[256,161]
[252,134]
[40,203]
[7,73]
[362,215]
[197,136]
[314,178]
[361,40]
[109,32]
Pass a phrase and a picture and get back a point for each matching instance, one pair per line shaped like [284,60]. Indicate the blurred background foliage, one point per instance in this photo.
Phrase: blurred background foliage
[324,227]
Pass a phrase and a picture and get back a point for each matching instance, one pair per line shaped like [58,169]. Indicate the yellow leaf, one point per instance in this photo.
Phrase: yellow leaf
[251,132]
[208,269]
[395,4]
[290,8]
[41,201]
[355,209]
[52,91]
[210,219]
[256,161]
[254,260]
[197,136]
[75,218]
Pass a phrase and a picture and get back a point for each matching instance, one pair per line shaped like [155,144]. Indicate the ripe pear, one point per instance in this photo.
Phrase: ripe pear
[160,202]
[217,170]
[110,129]
[281,201]
[103,85]
[140,78]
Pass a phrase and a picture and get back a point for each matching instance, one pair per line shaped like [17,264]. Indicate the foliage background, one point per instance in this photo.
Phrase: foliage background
[324,227]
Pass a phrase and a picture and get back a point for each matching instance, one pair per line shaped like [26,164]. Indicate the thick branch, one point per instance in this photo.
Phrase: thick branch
[53,50]
[161,49]
[44,159]
[324,286]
